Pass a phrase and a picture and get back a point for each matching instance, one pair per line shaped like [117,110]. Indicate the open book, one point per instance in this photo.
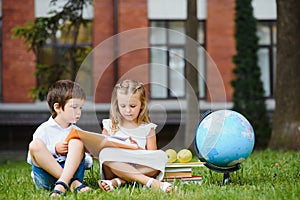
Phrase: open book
[95,142]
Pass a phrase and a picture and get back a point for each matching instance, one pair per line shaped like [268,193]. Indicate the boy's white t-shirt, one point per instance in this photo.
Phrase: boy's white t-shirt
[51,133]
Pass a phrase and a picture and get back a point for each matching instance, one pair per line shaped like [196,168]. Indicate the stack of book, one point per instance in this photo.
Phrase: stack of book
[178,172]
[182,172]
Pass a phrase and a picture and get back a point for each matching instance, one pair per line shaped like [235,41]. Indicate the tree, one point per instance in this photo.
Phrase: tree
[66,22]
[286,127]
[192,89]
[248,96]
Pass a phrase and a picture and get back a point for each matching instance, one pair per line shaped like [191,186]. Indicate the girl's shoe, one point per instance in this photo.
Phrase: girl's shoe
[164,186]
[109,183]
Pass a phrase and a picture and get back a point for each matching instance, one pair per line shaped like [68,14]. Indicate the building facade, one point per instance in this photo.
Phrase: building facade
[144,40]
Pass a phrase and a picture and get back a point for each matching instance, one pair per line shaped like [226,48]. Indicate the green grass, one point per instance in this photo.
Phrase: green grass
[264,175]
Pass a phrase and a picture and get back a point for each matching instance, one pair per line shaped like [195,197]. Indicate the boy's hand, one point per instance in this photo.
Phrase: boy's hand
[62,148]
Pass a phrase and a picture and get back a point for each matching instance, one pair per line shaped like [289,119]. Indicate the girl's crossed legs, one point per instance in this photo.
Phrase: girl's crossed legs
[119,173]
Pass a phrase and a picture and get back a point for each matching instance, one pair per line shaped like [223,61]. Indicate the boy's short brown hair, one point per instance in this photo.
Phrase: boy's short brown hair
[62,91]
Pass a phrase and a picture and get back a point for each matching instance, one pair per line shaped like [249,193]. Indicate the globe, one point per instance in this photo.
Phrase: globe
[224,138]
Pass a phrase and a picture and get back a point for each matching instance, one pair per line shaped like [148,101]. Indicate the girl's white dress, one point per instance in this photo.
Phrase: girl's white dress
[155,159]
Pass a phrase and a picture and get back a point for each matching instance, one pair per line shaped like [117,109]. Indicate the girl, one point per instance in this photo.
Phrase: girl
[129,121]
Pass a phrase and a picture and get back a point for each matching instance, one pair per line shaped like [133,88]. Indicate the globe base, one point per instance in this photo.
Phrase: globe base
[225,171]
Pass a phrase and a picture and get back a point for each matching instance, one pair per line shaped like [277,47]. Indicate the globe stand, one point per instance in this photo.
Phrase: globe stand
[226,178]
[225,171]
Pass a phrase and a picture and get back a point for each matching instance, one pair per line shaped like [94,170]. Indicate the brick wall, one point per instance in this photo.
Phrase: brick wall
[18,65]
[129,59]
[103,52]
[133,43]
[221,48]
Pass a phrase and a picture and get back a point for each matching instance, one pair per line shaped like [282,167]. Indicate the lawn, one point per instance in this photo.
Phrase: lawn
[264,175]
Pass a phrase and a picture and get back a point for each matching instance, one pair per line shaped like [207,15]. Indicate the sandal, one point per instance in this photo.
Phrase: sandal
[149,182]
[109,183]
[80,187]
[58,192]
[163,185]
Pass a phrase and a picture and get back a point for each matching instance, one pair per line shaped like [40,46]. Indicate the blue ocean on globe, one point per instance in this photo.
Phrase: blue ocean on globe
[224,138]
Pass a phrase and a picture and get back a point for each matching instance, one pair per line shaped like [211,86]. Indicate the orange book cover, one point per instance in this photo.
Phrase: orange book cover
[94,142]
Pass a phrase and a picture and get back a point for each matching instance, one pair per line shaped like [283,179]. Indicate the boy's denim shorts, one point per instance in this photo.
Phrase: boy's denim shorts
[43,179]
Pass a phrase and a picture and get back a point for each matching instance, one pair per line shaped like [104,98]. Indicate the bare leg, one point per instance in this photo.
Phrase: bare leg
[148,171]
[130,173]
[43,158]
[75,155]
[109,175]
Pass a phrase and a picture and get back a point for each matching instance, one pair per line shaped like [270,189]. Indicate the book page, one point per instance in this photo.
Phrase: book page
[95,142]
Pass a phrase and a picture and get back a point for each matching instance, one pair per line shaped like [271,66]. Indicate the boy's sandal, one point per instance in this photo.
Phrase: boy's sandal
[58,192]
[109,183]
[164,185]
[78,188]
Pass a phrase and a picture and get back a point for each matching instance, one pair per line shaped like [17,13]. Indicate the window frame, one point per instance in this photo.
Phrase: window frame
[271,24]
[169,46]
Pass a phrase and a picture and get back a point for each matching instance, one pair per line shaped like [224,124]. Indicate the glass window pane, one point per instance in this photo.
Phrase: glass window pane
[65,36]
[201,32]
[174,37]
[85,77]
[158,73]
[85,33]
[176,63]
[263,33]
[159,55]
[158,36]
[159,81]
[45,55]
[201,71]
[264,64]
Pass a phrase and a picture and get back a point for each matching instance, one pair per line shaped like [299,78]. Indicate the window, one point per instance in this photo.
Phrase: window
[56,53]
[167,52]
[266,32]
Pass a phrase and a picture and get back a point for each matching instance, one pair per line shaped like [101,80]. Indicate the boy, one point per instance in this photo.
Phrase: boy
[55,163]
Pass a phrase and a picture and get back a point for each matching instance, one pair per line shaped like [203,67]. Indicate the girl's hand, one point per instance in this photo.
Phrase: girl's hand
[61,148]
[132,141]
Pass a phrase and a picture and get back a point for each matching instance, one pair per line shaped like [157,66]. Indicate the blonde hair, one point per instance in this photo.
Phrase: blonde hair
[128,87]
